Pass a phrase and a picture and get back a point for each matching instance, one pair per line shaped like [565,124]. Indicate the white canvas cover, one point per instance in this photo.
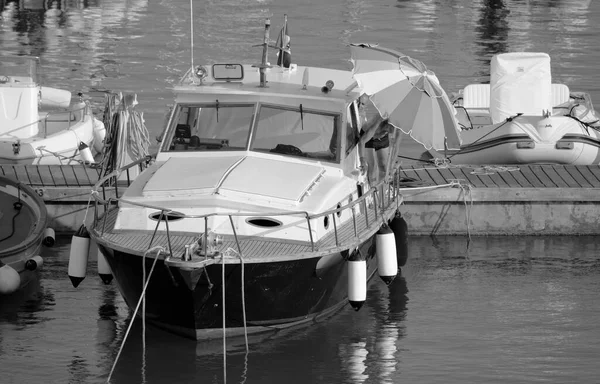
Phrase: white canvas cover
[520,82]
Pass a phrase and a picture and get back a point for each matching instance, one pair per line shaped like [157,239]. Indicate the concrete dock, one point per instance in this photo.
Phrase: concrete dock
[501,200]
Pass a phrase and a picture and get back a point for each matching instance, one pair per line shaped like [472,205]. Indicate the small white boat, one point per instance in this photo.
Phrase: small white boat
[521,117]
[23,220]
[41,125]
[257,211]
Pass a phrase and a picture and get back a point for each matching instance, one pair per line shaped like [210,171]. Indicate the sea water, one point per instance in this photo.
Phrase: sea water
[488,309]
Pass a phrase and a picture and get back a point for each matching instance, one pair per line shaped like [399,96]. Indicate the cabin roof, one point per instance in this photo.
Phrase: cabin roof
[281,81]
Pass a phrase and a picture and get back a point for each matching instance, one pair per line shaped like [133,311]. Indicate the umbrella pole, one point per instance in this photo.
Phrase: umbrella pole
[395,139]
[445,147]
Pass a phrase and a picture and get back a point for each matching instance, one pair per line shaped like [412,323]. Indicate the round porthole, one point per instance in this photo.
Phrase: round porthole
[167,216]
[263,222]
[326,222]
[339,213]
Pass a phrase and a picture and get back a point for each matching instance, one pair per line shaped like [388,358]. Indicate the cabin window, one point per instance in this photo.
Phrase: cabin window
[353,127]
[210,127]
[297,131]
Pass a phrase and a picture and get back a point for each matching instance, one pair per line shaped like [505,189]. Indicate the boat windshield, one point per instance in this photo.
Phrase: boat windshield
[15,69]
[293,131]
[223,127]
[297,132]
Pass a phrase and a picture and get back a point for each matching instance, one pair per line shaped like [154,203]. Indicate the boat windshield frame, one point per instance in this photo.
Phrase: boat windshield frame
[266,127]
[15,69]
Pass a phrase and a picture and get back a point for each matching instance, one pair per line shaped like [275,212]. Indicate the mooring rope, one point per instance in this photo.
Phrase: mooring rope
[228,253]
[466,189]
[158,250]
[223,304]
[126,132]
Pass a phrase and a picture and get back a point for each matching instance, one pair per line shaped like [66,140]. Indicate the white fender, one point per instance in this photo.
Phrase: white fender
[49,237]
[387,261]
[357,283]
[34,263]
[85,153]
[10,280]
[99,132]
[104,270]
[78,256]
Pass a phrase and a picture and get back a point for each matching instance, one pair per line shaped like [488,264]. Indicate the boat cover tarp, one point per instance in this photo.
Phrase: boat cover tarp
[520,82]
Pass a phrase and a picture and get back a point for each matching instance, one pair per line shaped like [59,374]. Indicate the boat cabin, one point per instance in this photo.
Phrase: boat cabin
[302,112]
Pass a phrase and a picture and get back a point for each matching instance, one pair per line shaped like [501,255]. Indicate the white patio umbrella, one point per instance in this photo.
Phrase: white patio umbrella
[406,93]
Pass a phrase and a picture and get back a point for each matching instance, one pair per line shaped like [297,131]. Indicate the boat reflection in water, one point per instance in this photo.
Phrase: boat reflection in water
[374,356]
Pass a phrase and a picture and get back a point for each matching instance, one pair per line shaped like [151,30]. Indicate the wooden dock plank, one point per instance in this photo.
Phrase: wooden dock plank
[576,174]
[85,174]
[475,180]
[541,175]
[446,174]
[498,180]
[435,175]
[409,172]
[71,176]
[20,174]
[595,170]
[521,179]
[424,175]
[531,177]
[557,179]
[509,179]
[589,176]
[46,176]
[571,175]
[57,174]
[462,175]
[33,174]
[485,179]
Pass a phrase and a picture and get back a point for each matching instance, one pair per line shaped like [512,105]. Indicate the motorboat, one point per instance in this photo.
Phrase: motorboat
[522,117]
[23,219]
[40,124]
[256,214]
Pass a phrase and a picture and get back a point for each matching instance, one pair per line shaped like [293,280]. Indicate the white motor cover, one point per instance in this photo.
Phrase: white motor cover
[520,82]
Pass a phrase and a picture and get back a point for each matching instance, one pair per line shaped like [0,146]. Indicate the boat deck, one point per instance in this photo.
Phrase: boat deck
[347,235]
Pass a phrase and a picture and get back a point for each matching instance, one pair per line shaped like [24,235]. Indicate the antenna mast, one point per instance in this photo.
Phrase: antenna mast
[192,32]
[263,65]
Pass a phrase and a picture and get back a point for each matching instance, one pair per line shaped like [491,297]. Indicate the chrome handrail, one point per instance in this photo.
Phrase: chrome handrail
[71,119]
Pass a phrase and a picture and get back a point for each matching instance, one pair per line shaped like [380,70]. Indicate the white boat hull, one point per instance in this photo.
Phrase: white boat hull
[60,147]
[557,139]
[39,124]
